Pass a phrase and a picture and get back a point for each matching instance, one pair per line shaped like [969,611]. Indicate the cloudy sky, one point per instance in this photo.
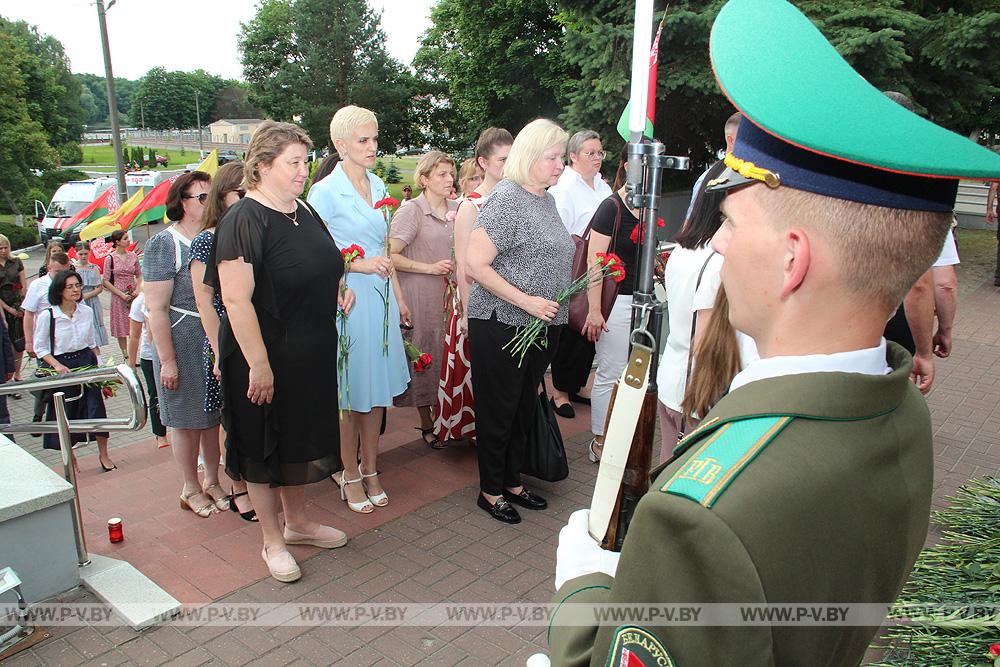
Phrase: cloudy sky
[182,34]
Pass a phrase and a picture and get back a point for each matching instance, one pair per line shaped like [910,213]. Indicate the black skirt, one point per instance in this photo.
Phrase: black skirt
[89,405]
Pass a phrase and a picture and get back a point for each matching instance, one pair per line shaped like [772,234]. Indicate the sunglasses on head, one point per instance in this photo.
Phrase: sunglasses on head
[202,198]
[240,192]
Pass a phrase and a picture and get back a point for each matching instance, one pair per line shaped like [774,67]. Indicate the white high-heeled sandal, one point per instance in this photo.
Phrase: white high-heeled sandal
[365,506]
[379,499]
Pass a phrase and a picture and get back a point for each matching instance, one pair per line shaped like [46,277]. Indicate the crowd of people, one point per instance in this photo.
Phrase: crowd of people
[244,318]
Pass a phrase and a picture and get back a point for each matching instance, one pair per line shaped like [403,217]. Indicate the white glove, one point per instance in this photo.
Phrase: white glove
[578,553]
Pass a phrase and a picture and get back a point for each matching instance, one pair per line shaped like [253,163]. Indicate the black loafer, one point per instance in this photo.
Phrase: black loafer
[501,511]
[565,411]
[526,499]
[577,398]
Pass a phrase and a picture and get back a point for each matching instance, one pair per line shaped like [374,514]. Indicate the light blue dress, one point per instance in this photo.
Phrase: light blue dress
[374,376]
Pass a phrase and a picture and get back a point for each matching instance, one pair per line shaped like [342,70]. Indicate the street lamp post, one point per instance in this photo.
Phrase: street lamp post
[116,139]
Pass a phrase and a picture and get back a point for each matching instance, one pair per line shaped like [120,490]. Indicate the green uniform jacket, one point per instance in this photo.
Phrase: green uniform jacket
[831,505]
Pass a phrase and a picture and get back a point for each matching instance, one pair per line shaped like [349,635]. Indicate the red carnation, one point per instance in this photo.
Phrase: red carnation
[638,231]
[995,650]
[387,201]
[422,362]
[352,252]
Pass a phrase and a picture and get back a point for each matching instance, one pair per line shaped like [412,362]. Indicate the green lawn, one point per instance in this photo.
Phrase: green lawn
[102,158]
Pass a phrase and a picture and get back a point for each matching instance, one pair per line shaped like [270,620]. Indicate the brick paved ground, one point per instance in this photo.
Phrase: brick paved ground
[447,549]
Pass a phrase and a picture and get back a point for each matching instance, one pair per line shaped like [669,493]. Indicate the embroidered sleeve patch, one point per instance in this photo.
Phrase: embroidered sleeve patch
[635,647]
[722,457]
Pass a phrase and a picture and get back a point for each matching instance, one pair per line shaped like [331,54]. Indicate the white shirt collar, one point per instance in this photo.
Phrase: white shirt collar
[869,361]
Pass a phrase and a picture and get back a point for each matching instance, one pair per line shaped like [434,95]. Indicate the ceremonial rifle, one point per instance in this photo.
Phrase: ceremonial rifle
[623,476]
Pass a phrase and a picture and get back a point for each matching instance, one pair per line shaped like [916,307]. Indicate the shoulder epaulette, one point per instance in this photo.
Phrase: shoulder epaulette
[722,456]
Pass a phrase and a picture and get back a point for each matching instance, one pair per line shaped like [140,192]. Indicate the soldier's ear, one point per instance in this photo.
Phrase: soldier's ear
[796,262]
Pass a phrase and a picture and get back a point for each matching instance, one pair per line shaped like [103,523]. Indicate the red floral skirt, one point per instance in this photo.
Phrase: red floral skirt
[456,416]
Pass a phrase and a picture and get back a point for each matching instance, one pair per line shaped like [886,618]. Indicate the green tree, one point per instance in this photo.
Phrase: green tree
[307,58]
[232,102]
[939,53]
[168,98]
[493,62]
[23,141]
[53,94]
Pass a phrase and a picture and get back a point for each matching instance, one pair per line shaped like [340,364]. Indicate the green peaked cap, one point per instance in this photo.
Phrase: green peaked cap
[777,68]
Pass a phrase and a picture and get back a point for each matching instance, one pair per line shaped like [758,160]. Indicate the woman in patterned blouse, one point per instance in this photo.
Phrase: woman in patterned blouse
[520,256]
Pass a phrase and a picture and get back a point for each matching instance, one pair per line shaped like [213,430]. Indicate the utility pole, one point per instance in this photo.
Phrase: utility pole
[116,139]
[142,116]
[197,111]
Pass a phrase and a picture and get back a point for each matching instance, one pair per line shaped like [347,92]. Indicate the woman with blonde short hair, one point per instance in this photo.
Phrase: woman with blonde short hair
[520,256]
[421,252]
[375,371]
[273,262]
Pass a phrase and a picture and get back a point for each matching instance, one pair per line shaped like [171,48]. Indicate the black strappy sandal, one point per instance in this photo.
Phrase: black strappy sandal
[433,443]
[250,515]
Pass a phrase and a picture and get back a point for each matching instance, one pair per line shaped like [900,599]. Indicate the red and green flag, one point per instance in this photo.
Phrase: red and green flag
[151,209]
[654,59]
[105,203]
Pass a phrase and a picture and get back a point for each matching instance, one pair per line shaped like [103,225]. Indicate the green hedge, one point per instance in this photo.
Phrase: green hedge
[21,237]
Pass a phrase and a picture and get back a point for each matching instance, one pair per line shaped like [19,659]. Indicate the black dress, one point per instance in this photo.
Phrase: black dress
[297,269]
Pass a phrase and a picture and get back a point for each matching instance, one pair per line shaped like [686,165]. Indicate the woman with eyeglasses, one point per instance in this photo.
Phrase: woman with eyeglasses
[64,341]
[226,190]
[579,192]
[178,336]
[123,278]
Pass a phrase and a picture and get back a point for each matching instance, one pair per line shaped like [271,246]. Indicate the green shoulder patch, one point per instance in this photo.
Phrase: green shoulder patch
[723,455]
[636,647]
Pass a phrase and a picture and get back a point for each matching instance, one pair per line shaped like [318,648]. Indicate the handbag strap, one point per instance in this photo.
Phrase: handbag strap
[694,324]
[618,220]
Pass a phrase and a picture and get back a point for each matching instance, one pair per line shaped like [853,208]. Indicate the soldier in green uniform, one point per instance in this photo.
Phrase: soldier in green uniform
[810,482]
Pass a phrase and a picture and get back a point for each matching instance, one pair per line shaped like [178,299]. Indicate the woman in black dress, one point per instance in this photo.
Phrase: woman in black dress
[12,284]
[279,271]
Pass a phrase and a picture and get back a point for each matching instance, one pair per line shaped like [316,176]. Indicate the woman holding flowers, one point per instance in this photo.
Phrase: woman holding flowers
[353,203]
[520,258]
[64,341]
[273,263]
[421,240]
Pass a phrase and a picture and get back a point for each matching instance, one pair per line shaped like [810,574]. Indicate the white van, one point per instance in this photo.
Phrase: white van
[142,179]
[71,198]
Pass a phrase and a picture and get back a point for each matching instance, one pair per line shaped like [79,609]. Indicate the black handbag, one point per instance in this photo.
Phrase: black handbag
[545,455]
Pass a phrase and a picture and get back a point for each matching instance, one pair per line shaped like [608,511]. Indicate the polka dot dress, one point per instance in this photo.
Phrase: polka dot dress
[201,247]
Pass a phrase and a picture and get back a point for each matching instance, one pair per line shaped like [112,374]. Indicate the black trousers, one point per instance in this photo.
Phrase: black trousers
[898,331]
[573,361]
[506,400]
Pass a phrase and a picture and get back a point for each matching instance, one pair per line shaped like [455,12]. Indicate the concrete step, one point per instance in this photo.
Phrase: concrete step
[133,595]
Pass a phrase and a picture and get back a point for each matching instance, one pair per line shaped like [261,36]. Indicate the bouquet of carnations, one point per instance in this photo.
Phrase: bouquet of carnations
[108,388]
[421,360]
[533,335]
[351,253]
[386,204]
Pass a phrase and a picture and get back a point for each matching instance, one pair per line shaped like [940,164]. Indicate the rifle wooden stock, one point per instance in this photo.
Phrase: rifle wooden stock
[635,481]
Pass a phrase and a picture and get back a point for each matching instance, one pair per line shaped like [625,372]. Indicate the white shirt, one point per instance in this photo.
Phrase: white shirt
[137,313]
[949,252]
[576,200]
[72,335]
[694,192]
[869,361]
[37,296]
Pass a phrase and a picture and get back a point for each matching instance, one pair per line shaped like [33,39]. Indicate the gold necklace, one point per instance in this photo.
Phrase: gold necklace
[293,218]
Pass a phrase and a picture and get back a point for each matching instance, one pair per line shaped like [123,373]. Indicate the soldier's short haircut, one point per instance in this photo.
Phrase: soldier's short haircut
[881,252]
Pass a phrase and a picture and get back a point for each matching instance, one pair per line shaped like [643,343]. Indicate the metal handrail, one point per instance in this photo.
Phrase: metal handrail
[63,426]
[122,373]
